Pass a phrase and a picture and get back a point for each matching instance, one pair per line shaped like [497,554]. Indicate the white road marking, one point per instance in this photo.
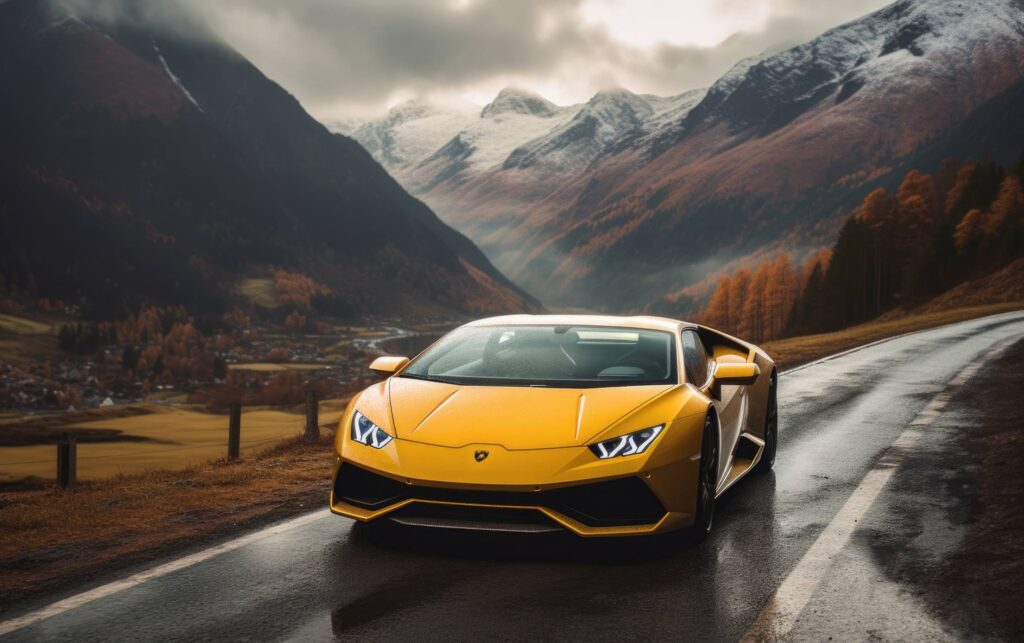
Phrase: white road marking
[783,610]
[78,600]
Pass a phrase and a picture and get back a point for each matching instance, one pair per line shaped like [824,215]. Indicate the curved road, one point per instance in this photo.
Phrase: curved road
[800,554]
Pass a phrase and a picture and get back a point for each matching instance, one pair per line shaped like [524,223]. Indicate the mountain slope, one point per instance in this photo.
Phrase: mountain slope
[145,164]
[777,151]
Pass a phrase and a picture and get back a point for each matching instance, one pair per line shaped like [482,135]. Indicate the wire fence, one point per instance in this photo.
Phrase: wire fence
[134,454]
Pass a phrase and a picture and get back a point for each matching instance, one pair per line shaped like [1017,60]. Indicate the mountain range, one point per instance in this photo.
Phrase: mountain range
[148,163]
[626,201]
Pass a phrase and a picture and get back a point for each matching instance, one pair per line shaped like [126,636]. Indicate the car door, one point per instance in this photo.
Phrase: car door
[729,402]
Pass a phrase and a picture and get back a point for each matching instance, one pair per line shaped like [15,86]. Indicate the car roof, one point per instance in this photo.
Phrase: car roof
[642,321]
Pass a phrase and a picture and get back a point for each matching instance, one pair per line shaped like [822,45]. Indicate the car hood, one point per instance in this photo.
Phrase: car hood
[514,417]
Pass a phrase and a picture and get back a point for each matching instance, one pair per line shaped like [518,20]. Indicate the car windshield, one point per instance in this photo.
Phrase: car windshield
[557,356]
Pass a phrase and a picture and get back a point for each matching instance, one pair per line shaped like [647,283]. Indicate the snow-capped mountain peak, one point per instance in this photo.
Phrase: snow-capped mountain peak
[851,57]
[516,100]
[619,106]
[606,117]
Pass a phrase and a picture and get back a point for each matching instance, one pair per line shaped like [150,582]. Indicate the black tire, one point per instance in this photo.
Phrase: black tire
[707,483]
[771,430]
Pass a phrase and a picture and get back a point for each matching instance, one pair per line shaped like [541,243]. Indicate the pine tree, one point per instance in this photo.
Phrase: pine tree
[782,293]
[738,290]
[919,186]
[752,317]
[1003,225]
[717,313]
[968,231]
[1007,205]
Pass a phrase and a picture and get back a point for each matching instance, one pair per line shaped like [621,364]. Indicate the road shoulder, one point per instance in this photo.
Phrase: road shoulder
[962,547]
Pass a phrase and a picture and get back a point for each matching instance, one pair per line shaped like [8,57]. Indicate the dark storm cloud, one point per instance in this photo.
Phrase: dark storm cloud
[339,55]
[365,50]
[670,68]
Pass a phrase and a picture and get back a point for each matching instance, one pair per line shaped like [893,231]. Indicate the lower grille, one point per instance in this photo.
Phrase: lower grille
[425,514]
[625,501]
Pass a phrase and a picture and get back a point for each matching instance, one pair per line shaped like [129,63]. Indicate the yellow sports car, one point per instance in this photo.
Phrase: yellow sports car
[603,426]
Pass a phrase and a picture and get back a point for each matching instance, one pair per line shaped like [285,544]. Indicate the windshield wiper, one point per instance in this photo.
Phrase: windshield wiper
[429,378]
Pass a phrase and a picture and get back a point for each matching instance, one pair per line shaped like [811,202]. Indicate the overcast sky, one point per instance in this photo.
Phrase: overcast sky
[357,57]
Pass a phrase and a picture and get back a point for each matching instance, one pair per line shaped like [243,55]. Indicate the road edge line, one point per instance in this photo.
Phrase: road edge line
[88,596]
[782,611]
[821,360]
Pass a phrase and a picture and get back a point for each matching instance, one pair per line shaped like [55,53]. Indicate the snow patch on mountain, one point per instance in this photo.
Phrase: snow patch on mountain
[671,111]
[509,121]
[604,119]
[409,132]
[857,56]
[174,78]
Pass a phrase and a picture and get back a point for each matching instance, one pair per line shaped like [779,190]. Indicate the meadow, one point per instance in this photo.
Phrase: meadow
[171,438]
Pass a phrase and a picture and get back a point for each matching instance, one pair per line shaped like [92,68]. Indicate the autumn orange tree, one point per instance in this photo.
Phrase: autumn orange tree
[754,304]
[900,249]
[296,289]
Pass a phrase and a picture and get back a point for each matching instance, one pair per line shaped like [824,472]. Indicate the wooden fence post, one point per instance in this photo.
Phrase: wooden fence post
[312,416]
[67,455]
[234,430]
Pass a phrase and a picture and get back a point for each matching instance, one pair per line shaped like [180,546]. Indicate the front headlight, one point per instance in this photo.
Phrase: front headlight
[366,432]
[629,444]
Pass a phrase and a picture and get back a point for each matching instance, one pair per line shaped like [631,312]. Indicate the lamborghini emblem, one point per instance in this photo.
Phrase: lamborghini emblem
[480,456]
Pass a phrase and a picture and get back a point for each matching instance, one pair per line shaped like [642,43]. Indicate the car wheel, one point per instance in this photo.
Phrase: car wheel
[707,484]
[771,429]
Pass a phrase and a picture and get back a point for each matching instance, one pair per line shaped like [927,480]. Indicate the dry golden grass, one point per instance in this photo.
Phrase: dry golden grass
[1006,285]
[175,438]
[63,419]
[49,536]
[268,367]
[23,326]
[23,340]
[800,350]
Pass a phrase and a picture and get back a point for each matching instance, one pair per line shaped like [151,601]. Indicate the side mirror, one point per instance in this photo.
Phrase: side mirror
[389,364]
[732,373]
[741,374]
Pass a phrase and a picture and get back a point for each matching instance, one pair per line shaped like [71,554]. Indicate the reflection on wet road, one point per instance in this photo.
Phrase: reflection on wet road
[326,580]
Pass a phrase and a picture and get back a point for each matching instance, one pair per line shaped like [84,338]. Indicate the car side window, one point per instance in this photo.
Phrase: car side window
[695,358]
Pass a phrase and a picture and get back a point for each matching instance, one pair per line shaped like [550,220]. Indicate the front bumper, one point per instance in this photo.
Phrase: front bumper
[425,485]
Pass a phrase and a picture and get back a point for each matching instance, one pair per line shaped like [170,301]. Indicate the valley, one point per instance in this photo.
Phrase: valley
[627,199]
[189,234]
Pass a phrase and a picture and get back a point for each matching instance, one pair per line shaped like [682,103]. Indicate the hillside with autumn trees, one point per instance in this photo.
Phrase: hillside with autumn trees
[895,251]
[119,189]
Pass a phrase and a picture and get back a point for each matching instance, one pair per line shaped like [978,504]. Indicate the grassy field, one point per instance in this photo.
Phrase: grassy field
[23,339]
[176,438]
[22,326]
[51,539]
[260,292]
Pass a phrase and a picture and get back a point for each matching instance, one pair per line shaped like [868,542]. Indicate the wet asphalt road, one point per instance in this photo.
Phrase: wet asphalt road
[324,579]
